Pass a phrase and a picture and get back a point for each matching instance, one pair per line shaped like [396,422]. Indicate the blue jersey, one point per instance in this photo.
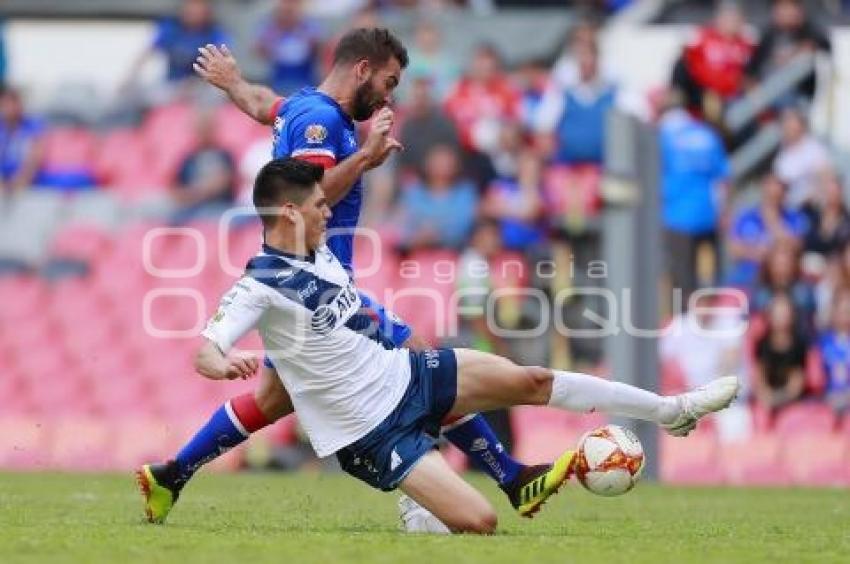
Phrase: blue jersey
[312,124]
[835,350]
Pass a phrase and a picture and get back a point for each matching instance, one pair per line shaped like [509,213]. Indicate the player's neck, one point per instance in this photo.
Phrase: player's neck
[335,86]
[287,243]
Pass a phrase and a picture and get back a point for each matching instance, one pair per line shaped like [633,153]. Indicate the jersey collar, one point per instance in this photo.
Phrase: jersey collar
[269,250]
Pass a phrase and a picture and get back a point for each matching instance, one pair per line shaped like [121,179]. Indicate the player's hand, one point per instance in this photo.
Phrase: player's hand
[376,147]
[240,367]
[217,66]
[390,145]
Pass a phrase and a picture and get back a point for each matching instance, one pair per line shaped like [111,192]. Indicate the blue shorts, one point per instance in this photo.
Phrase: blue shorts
[389,323]
[387,454]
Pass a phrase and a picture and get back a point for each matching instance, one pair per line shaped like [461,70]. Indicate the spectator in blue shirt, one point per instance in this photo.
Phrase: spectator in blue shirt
[21,143]
[205,184]
[756,229]
[179,39]
[440,211]
[834,347]
[781,273]
[290,44]
[694,174]
[513,197]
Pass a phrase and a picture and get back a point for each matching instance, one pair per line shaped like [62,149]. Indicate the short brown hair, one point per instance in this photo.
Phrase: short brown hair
[375,44]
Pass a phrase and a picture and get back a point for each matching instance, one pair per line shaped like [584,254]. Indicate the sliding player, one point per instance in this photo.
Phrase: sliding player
[317,125]
[373,405]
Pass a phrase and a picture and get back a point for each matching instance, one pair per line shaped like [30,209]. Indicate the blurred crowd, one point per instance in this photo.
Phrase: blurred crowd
[503,160]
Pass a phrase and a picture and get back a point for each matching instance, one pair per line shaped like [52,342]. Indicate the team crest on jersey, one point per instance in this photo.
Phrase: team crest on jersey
[315,133]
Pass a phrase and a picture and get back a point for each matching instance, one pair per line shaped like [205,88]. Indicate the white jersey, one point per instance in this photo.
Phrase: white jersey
[341,371]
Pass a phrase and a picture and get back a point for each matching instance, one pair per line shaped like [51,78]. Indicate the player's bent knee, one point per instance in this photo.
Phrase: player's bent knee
[536,383]
[482,523]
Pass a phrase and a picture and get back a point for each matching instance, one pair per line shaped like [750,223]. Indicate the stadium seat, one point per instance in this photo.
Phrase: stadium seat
[694,460]
[426,294]
[139,439]
[235,131]
[754,462]
[20,297]
[169,134]
[69,157]
[673,379]
[124,164]
[81,443]
[81,241]
[804,417]
[572,194]
[817,459]
[23,443]
[376,267]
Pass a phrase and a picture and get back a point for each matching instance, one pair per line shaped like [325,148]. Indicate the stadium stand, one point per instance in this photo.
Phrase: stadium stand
[79,359]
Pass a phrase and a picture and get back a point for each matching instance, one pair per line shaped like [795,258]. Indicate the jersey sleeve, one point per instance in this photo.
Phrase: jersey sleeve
[238,313]
[316,136]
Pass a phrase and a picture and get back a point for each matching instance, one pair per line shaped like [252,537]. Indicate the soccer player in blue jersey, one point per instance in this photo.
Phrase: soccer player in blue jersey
[372,404]
[317,125]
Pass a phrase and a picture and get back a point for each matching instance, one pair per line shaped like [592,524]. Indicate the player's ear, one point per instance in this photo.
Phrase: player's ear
[362,70]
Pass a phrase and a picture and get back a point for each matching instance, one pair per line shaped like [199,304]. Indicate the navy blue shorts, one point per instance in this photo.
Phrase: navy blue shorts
[390,324]
[385,456]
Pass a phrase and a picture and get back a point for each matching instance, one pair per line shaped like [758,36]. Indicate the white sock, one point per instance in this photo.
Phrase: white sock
[574,391]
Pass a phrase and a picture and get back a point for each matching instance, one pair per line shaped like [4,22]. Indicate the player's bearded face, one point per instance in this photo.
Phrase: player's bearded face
[366,100]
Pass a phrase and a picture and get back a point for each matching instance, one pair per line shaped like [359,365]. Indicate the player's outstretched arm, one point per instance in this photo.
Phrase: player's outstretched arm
[212,364]
[218,66]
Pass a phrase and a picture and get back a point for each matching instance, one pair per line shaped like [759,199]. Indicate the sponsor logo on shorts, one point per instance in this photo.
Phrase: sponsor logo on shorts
[395,460]
[479,444]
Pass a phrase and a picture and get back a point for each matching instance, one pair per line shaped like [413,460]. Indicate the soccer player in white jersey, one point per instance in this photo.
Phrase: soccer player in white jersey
[376,407]
[318,125]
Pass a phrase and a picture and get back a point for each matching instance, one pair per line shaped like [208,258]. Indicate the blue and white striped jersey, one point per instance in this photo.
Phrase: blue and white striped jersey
[335,359]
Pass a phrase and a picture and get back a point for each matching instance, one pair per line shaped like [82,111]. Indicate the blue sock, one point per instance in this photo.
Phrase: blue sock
[216,437]
[478,441]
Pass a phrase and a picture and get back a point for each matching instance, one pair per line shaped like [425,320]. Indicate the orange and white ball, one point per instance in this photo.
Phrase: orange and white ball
[609,460]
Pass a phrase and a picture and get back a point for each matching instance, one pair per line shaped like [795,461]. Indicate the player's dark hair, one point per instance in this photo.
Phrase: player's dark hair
[283,181]
[375,44]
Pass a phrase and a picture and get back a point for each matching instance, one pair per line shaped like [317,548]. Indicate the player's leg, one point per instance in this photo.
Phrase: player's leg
[471,434]
[437,488]
[486,381]
[229,425]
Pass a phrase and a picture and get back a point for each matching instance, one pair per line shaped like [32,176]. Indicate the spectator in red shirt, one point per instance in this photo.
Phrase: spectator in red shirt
[711,70]
[481,100]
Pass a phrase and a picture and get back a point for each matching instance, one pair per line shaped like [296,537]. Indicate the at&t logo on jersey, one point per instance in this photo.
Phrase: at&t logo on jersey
[328,316]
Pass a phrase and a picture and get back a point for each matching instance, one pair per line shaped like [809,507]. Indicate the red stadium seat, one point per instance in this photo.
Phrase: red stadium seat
[124,163]
[426,294]
[81,443]
[572,193]
[81,242]
[817,459]
[376,267]
[69,156]
[754,462]
[21,297]
[694,460]
[235,131]
[140,439]
[805,417]
[169,133]
[69,147]
[23,443]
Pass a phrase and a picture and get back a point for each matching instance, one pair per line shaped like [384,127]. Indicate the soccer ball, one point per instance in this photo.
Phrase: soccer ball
[609,460]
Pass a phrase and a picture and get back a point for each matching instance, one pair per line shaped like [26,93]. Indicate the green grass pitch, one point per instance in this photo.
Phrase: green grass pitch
[248,518]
